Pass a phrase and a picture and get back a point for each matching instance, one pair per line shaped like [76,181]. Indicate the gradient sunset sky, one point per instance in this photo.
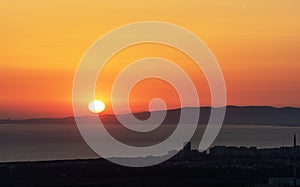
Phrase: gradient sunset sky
[256,42]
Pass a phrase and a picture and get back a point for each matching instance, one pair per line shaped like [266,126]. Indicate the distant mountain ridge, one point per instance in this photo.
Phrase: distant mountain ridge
[256,115]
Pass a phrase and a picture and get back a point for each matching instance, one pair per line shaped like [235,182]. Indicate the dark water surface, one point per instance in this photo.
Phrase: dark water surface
[52,142]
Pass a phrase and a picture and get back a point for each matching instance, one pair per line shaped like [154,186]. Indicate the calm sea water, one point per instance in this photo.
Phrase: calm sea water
[53,142]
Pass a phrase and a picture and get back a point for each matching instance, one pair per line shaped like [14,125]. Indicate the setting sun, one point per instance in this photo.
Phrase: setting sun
[96,106]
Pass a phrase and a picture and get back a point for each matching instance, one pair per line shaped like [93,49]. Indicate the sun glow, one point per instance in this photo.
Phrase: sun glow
[96,106]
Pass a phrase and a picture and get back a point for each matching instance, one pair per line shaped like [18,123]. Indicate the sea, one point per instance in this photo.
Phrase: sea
[34,142]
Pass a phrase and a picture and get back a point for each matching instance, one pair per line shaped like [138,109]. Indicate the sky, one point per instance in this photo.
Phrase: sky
[256,43]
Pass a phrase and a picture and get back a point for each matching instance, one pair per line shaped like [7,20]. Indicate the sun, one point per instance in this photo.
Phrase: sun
[96,106]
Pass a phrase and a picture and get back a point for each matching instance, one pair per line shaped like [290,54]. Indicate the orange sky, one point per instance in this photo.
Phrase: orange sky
[256,42]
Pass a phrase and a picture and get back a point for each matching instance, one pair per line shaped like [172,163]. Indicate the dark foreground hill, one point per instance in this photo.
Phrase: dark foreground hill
[223,166]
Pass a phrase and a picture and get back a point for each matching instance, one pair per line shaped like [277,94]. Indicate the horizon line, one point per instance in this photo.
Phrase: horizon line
[138,112]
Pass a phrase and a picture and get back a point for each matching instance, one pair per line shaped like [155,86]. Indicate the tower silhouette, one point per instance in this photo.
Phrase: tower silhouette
[294,166]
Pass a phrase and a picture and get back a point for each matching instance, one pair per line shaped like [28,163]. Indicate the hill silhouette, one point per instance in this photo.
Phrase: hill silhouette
[256,115]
